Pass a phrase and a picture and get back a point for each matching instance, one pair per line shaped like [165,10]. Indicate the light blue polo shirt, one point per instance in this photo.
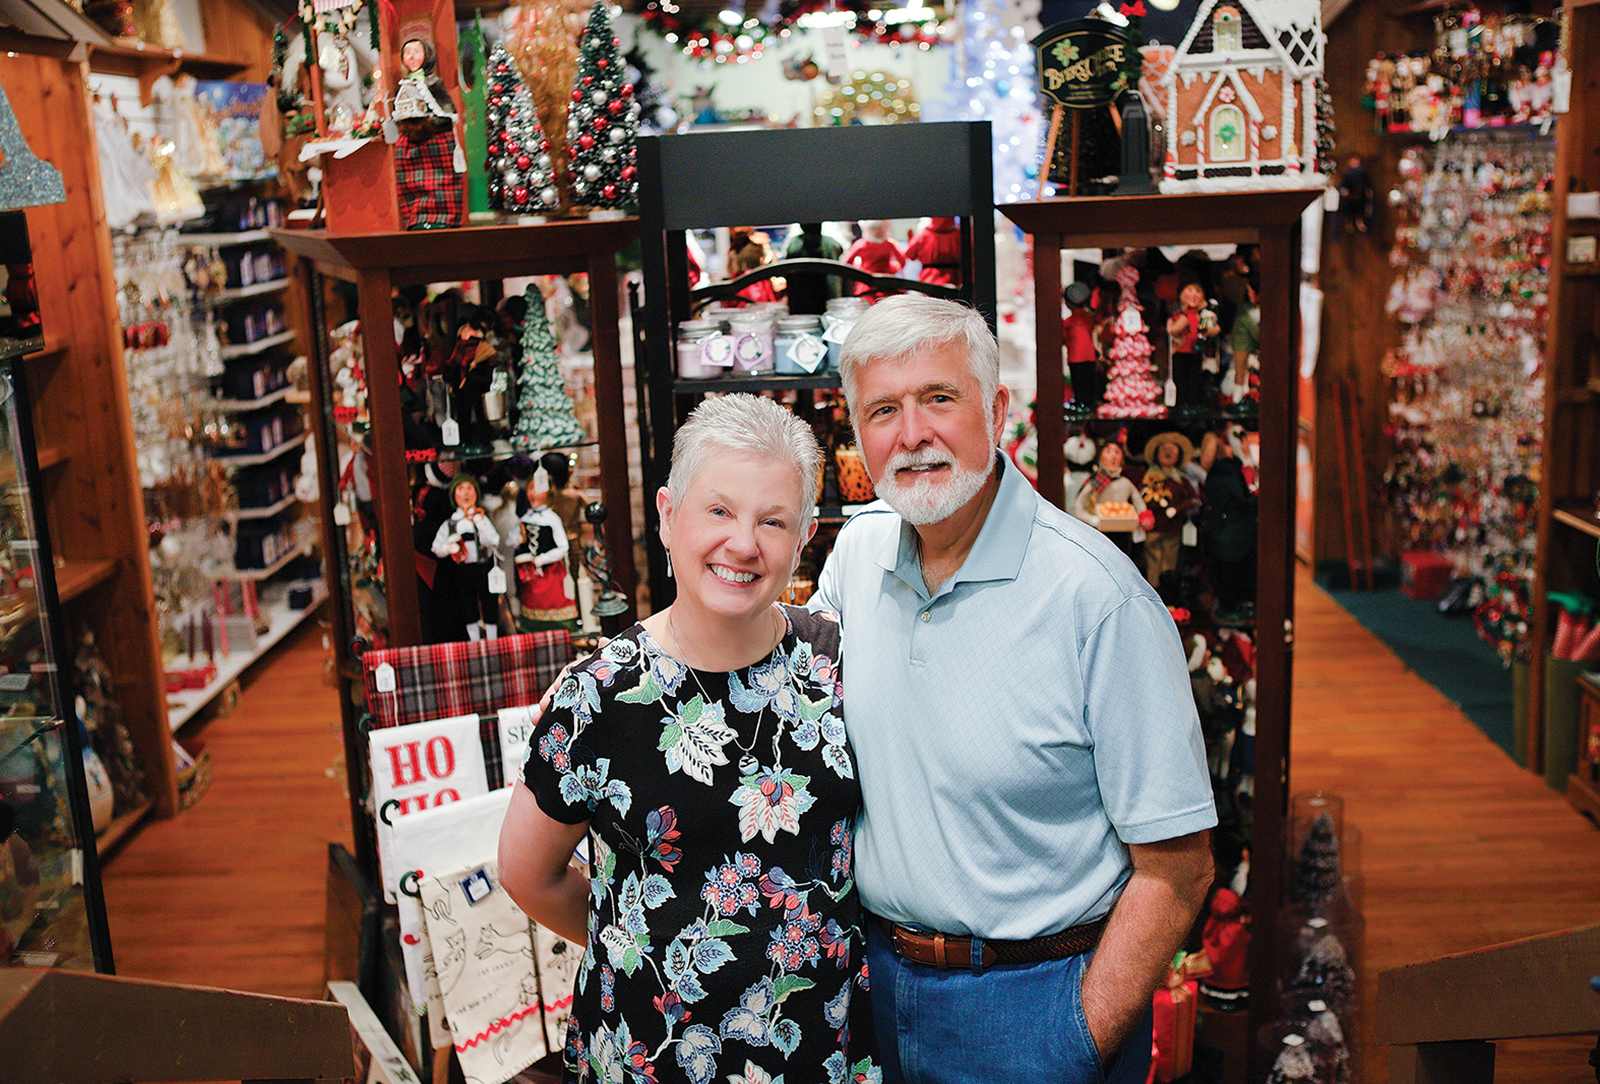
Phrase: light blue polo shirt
[1017,728]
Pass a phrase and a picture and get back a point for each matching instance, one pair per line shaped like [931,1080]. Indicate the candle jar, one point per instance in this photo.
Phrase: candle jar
[752,333]
[697,346]
[798,346]
[840,317]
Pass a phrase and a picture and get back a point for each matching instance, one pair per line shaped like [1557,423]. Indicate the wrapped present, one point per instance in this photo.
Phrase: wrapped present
[1172,1053]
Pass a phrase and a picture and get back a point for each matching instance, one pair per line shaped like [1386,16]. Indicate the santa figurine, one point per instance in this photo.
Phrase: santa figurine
[875,252]
[937,247]
[429,166]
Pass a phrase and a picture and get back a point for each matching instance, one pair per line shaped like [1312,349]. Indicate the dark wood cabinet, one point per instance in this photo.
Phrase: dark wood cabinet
[1270,220]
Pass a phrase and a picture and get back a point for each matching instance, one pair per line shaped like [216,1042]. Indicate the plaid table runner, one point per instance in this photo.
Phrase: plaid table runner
[435,681]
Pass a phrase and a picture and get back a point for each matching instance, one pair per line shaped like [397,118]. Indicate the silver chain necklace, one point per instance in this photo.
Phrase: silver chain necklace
[747,761]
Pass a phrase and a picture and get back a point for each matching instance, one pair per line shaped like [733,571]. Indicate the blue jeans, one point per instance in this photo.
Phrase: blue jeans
[980,1025]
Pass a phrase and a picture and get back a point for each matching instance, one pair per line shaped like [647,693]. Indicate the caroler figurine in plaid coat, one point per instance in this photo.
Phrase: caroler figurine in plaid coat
[429,166]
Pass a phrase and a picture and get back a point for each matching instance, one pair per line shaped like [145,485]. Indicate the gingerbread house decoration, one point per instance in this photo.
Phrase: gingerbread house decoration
[1240,99]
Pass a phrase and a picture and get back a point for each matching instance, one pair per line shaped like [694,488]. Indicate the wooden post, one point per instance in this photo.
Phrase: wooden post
[1050,144]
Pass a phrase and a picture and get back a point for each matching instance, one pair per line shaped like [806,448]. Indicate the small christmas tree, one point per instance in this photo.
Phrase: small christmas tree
[1131,391]
[1293,1063]
[602,121]
[1316,867]
[1326,973]
[545,416]
[521,174]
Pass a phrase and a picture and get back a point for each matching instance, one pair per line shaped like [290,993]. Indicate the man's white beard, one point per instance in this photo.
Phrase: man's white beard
[925,501]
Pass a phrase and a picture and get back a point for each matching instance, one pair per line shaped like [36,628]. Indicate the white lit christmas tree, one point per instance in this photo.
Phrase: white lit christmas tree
[521,176]
[1131,390]
[545,415]
[993,79]
[602,121]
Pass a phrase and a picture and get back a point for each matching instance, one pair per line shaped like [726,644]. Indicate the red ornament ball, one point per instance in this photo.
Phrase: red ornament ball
[588,80]
[599,124]
[627,90]
[615,106]
[577,95]
[586,141]
[523,161]
[521,192]
[629,172]
[494,150]
[609,191]
[602,63]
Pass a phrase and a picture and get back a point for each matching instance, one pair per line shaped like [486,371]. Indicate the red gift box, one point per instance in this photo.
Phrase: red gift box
[1172,1051]
[1423,575]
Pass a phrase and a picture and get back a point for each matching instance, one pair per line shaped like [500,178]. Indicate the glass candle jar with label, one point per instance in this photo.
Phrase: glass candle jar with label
[752,332]
[699,342]
[837,321]
[797,342]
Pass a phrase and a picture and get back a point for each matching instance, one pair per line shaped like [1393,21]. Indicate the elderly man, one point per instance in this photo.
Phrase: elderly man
[1034,839]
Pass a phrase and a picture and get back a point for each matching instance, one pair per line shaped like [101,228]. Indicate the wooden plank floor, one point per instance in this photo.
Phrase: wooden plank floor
[1461,848]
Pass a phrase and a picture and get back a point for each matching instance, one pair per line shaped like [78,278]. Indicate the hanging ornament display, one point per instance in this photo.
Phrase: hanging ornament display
[520,168]
[545,414]
[602,121]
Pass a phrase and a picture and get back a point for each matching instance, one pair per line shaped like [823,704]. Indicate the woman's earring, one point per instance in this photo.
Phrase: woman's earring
[669,564]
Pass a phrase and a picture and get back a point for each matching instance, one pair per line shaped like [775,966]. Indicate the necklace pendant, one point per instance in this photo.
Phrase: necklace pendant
[748,765]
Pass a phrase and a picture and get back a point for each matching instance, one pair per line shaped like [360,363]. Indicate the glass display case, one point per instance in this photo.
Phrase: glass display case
[51,910]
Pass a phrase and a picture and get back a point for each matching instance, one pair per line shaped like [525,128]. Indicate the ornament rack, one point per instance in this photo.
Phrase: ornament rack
[1269,220]
[377,263]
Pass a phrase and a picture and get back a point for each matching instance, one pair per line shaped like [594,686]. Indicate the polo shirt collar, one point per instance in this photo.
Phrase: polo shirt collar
[1001,545]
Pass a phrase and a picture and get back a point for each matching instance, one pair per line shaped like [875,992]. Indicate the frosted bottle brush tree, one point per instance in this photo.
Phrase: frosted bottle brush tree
[602,121]
[545,415]
[521,174]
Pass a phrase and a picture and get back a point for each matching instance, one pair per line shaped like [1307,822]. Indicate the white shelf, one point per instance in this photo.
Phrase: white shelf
[241,406]
[257,458]
[266,511]
[240,350]
[218,240]
[236,292]
[182,706]
[271,570]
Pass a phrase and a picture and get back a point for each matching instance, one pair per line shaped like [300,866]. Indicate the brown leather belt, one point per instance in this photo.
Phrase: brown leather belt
[948,950]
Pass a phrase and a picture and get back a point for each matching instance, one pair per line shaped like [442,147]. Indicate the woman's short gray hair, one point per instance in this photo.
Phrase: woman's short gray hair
[904,325]
[745,423]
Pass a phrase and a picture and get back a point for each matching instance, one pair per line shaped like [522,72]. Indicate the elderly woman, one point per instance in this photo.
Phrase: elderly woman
[704,752]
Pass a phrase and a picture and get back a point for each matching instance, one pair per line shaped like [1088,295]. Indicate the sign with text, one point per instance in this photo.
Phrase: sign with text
[516,729]
[1085,63]
[422,766]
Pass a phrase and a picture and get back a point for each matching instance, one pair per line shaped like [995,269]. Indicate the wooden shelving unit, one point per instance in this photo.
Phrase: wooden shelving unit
[1271,221]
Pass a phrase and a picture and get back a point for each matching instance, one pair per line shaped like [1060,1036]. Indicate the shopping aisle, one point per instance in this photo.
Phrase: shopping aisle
[231,891]
[1461,848]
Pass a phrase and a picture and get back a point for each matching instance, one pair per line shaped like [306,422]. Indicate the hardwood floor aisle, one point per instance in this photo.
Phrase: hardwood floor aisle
[1461,847]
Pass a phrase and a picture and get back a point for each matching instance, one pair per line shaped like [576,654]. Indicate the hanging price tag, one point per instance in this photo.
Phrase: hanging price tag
[383,678]
[341,514]
[1191,536]
[450,433]
[1171,397]
[497,581]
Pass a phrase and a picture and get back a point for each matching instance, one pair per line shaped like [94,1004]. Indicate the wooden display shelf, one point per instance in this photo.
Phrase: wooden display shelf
[222,240]
[1584,520]
[147,63]
[260,346]
[270,570]
[74,577]
[266,511]
[185,705]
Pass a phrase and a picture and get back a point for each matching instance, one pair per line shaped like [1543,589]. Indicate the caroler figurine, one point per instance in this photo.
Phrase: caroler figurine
[543,587]
[429,166]
[1107,497]
[1173,500]
[467,540]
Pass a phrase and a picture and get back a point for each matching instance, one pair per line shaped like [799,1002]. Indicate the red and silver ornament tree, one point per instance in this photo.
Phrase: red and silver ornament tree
[602,121]
[521,174]
[1131,391]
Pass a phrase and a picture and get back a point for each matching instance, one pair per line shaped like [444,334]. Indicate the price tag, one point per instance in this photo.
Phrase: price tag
[383,678]
[450,433]
[1171,397]
[497,581]
[1190,536]
[341,514]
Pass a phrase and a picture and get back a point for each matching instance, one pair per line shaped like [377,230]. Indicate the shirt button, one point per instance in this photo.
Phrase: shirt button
[927,615]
